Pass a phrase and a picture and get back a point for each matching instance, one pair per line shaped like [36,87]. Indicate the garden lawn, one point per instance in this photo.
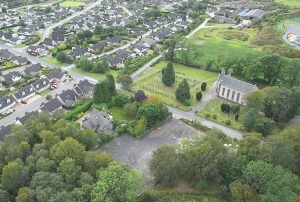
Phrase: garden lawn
[45,92]
[118,114]
[20,46]
[54,61]
[70,4]
[212,45]
[151,83]
[96,75]
[292,3]
[214,108]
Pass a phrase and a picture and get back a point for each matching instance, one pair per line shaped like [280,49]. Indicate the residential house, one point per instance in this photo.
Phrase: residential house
[78,52]
[6,36]
[233,89]
[136,48]
[24,93]
[56,75]
[6,103]
[175,27]
[5,130]
[38,50]
[148,42]
[33,69]
[15,40]
[49,43]
[61,14]
[83,88]
[114,40]
[51,106]
[98,46]
[150,25]
[58,38]
[18,60]
[137,30]
[26,117]
[3,16]
[98,121]
[12,77]
[123,54]
[40,85]
[67,98]
[114,61]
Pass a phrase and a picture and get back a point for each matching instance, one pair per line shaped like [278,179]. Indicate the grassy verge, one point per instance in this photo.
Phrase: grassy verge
[96,75]
[70,4]
[45,92]
[150,82]
[118,114]
[54,61]
[20,46]
[292,3]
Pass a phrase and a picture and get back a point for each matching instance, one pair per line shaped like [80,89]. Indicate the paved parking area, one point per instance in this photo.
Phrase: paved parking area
[294,29]
[138,152]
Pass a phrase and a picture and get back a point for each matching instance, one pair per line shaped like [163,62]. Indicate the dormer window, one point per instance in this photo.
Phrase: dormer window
[37,86]
[44,82]
[8,100]
[23,93]
[30,89]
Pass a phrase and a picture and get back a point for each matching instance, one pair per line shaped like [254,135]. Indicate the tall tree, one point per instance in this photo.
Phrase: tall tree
[98,94]
[105,91]
[254,99]
[170,45]
[87,34]
[140,96]
[69,170]
[291,73]
[249,146]
[11,177]
[250,118]
[168,77]
[111,84]
[183,91]
[264,126]
[126,81]
[61,57]
[98,30]
[151,112]
[117,183]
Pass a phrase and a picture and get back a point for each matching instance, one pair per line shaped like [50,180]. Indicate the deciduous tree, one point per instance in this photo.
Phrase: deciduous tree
[250,118]
[151,112]
[126,81]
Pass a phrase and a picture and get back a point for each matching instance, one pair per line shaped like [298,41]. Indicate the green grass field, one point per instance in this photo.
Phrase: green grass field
[292,3]
[55,62]
[212,43]
[151,83]
[96,75]
[45,92]
[118,114]
[70,4]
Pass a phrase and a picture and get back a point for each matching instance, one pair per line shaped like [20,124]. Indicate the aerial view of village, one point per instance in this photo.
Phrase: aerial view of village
[149,100]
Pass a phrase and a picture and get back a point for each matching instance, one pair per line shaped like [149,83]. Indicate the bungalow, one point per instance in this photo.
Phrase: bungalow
[150,25]
[51,106]
[56,75]
[61,14]
[24,93]
[98,46]
[6,36]
[49,43]
[138,48]
[183,24]
[148,42]
[18,60]
[12,76]
[58,38]
[40,85]
[15,40]
[26,117]
[67,98]
[137,30]
[38,50]
[114,61]
[78,52]
[33,69]
[6,103]
[83,88]
[98,120]
[114,40]
[123,54]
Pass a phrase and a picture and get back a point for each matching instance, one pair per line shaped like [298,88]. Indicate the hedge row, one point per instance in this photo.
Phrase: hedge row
[82,108]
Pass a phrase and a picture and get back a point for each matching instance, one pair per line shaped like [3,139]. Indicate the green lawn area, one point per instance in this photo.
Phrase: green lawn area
[150,82]
[1,116]
[212,43]
[214,108]
[70,4]
[8,64]
[292,3]
[118,114]
[54,61]
[45,92]
[21,46]
[95,75]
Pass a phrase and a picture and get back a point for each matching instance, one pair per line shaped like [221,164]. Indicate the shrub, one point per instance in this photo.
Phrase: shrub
[236,117]
[223,107]
[203,86]
[82,108]
[214,117]
[207,115]
[187,102]
[228,122]
[48,97]
[199,126]
[198,96]
[99,106]
[202,185]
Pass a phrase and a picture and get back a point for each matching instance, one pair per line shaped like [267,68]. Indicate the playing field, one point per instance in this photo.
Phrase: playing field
[292,3]
[70,4]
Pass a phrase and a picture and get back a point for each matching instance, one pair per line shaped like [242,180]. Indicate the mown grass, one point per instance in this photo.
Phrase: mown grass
[151,83]
[96,75]
[70,4]
[212,45]
[45,92]
[292,3]
[54,61]
[119,114]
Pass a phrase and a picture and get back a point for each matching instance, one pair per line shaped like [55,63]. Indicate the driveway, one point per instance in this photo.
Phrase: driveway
[138,152]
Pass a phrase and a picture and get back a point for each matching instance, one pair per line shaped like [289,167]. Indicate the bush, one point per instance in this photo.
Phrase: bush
[187,102]
[214,117]
[82,108]
[199,126]
[207,115]
[228,122]
[203,86]
[223,107]
[49,97]
[236,117]
[198,96]
[99,106]
[202,185]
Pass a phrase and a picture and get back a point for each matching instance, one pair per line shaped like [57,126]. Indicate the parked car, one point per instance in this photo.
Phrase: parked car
[24,102]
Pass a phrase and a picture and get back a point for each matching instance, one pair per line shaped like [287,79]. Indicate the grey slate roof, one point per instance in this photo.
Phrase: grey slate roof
[24,92]
[68,97]
[8,77]
[27,116]
[256,13]
[237,85]
[84,87]
[51,106]
[55,75]
[6,101]
[98,120]
[5,131]
[33,69]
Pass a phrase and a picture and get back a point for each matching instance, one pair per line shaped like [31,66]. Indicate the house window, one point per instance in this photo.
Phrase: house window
[37,86]
[233,94]
[30,89]
[23,93]
[228,92]
[223,91]
[238,97]
[44,83]
[0,105]
[8,100]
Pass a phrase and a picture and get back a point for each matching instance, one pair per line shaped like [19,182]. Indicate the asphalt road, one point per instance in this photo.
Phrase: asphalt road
[294,29]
